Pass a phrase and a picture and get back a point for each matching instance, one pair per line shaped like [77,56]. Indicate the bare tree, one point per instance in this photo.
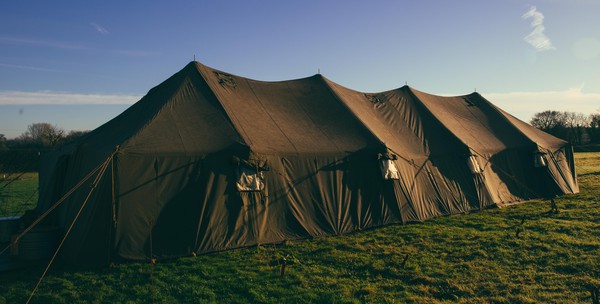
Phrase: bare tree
[575,124]
[552,122]
[546,120]
[44,134]
[595,127]
[570,126]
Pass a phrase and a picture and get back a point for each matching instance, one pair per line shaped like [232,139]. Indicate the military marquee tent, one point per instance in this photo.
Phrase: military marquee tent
[209,161]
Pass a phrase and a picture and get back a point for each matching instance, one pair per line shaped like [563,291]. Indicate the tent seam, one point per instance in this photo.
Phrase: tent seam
[269,114]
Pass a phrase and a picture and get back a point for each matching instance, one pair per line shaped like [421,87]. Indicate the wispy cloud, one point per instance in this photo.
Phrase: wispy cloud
[537,38]
[524,104]
[100,29]
[43,43]
[63,98]
[67,46]
[31,68]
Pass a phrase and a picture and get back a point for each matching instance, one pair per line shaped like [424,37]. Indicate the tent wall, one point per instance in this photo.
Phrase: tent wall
[185,204]
[87,209]
[179,205]
[171,187]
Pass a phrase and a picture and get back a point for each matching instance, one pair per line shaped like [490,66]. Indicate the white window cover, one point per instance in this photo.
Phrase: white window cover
[249,180]
[388,169]
[539,161]
[474,165]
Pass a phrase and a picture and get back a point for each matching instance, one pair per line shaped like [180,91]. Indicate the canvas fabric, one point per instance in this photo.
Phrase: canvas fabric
[176,157]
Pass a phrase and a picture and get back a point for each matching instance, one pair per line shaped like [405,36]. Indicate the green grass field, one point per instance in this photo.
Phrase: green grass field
[474,258]
[18,193]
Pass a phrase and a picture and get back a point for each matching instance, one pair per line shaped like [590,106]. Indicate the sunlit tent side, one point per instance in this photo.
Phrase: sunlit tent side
[210,161]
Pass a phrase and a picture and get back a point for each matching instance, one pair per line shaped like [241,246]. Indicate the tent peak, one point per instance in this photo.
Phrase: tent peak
[413,90]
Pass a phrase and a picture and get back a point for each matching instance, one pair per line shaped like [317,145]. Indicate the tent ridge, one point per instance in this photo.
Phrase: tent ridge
[158,110]
[437,120]
[354,115]
[504,118]
[230,115]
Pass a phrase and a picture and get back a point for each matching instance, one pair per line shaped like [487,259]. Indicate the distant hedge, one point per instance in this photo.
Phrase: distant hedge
[20,160]
[587,148]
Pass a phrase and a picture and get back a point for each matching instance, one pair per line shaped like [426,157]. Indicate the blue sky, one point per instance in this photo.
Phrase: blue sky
[77,64]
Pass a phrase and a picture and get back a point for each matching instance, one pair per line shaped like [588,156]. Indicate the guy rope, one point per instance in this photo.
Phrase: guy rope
[99,171]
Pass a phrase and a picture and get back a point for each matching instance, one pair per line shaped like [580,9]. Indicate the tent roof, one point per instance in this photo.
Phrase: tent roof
[203,110]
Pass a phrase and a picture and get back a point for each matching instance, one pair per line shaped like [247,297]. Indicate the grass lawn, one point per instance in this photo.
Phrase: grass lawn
[474,258]
[18,193]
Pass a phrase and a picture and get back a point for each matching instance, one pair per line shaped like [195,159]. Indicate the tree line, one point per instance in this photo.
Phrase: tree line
[41,136]
[23,153]
[577,128]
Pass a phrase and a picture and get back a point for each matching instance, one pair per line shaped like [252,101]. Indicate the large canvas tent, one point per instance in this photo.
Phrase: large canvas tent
[209,161]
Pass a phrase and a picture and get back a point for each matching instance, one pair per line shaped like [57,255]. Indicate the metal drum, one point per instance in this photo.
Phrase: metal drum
[38,244]
[8,227]
[7,262]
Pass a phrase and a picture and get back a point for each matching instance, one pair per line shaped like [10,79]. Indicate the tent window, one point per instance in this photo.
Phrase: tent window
[250,180]
[474,165]
[388,167]
[539,161]
[250,177]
